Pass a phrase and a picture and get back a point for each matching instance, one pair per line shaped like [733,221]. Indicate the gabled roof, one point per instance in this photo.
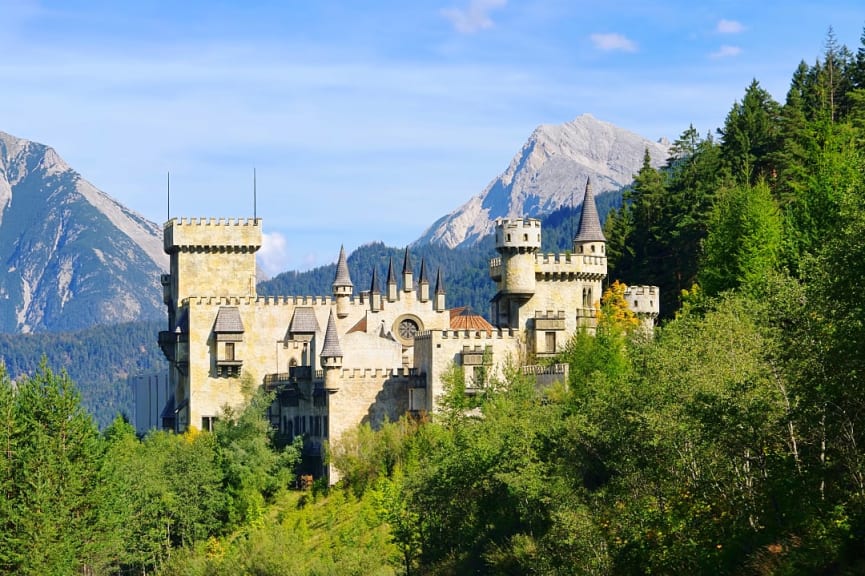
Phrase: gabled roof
[228,320]
[342,277]
[331,348]
[303,321]
[590,224]
[359,327]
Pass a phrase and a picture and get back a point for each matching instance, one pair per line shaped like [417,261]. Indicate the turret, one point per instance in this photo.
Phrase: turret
[439,303]
[331,355]
[391,283]
[342,286]
[374,293]
[644,301]
[518,242]
[590,238]
[407,280]
[422,283]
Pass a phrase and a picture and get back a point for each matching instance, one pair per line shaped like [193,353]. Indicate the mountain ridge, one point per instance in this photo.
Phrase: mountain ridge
[72,256]
[548,172]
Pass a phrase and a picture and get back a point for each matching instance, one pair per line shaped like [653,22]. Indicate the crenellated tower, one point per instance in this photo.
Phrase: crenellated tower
[518,242]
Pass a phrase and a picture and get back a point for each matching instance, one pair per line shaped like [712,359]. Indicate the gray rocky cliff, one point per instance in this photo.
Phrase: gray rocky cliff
[70,255]
[549,172]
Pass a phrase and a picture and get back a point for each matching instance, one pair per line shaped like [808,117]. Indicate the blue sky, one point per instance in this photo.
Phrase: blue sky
[368,120]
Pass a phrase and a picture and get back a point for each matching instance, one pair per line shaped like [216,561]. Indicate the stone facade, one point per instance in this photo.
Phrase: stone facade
[338,360]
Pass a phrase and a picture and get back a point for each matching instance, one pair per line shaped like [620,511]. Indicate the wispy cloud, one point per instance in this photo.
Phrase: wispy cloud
[613,42]
[474,17]
[726,51]
[729,27]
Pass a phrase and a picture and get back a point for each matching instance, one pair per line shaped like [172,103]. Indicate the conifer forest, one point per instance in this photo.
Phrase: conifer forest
[732,441]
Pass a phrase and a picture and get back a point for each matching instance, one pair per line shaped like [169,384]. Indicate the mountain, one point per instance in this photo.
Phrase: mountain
[70,256]
[549,172]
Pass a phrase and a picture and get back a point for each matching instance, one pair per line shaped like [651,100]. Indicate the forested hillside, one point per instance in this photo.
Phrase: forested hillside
[465,271]
[728,442]
[98,360]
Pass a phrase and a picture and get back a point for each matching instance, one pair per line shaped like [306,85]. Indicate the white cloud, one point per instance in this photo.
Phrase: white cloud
[729,27]
[612,42]
[474,17]
[726,52]
[273,257]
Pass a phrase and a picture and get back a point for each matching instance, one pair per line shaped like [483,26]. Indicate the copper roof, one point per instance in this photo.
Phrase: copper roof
[465,318]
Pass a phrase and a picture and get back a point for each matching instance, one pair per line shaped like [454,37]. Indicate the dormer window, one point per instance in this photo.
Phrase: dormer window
[228,333]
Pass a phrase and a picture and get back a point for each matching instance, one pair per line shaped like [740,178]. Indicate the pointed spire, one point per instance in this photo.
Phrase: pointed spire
[342,277]
[590,224]
[391,275]
[331,348]
[374,288]
[406,263]
[440,285]
[422,277]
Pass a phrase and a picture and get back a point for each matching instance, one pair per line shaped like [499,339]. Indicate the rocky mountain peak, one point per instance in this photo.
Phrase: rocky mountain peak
[72,256]
[550,171]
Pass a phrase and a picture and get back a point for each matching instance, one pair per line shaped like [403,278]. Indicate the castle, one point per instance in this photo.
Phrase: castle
[364,355]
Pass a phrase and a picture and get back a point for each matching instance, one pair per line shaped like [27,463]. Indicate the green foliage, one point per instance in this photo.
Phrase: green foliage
[51,458]
[744,241]
[253,469]
[98,360]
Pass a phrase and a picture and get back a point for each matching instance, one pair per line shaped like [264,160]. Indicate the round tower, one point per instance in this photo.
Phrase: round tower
[518,242]
[342,285]
[331,355]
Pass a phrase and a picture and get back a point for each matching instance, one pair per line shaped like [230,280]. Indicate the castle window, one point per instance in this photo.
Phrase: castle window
[207,423]
[509,237]
[525,237]
[550,344]
[593,248]
[229,351]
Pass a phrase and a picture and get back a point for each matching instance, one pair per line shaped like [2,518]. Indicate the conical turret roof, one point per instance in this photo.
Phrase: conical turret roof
[422,277]
[391,276]
[342,277]
[440,285]
[331,348]
[590,223]
[374,288]
[406,263]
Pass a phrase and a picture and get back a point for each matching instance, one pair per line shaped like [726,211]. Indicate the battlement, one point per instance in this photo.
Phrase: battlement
[643,300]
[203,234]
[480,335]
[522,234]
[379,373]
[261,300]
[549,314]
[213,222]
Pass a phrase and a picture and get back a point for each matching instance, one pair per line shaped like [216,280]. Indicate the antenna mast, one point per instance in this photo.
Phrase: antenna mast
[168,195]
[254,195]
